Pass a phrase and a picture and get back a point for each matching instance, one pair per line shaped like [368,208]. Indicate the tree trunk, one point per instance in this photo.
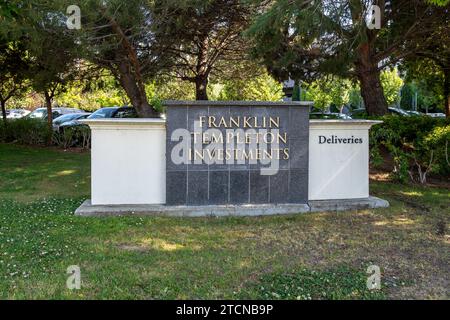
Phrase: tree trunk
[369,78]
[3,104]
[372,93]
[135,91]
[128,72]
[447,92]
[48,104]
[202,70]
[201,85]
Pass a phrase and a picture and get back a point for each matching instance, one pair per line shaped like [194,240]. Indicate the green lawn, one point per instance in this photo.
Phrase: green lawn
[308,256]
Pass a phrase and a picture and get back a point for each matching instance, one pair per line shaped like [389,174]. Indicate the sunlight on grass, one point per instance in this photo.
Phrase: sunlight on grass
[399,221]
[412,193]
[245,264]
[157,244]
[65,173]
[403,221]
[380,176]
[160,244]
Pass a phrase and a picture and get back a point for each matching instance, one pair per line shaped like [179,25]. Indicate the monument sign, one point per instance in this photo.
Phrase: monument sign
[236,152]
[229,158]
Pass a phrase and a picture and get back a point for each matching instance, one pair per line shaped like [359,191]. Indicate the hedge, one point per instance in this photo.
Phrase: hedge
[419,145]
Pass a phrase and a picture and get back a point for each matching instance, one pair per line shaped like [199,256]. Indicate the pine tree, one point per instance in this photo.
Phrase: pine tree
[305,39]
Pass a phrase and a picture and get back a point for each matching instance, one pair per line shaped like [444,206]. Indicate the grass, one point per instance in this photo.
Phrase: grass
[35,173]
[308,256]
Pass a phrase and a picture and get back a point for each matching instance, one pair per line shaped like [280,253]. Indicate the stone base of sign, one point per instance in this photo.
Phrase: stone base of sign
[347,204]
[87,209]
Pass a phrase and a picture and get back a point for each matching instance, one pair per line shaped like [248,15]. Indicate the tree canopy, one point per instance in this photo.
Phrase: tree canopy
[200,35]
[308,39]
[221,48]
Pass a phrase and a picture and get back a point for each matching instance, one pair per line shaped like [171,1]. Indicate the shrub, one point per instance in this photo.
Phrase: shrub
[73,137]
[25,131]
[82,137]
[64,139]
[36,132]
[418,146]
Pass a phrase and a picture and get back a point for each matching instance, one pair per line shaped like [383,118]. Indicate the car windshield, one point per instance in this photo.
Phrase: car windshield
[103,113]
[399,111]
[39,113]
[67,117]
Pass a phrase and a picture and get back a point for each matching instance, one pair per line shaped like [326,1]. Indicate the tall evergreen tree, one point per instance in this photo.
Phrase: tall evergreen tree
[44,39]
[201,34]
[118,35]
[113,34]
[13,72]
[13,64]
[303,39]
[431,53]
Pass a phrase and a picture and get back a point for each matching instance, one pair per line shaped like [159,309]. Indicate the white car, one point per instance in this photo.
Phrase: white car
[17,113]
[436,115]
[41,113]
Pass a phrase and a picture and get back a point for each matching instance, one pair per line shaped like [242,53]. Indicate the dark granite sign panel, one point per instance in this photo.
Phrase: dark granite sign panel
[236,152]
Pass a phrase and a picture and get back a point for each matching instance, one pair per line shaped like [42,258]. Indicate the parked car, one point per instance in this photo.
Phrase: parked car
[362,113]
[67,118]
[398,112]
[414,113]
[125,112]
[16,113]
[332,115]
[41,113]
[436,115]
[114,112]
[104,113]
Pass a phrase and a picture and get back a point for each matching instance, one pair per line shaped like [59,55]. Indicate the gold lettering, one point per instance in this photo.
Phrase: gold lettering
[196,134]
[267,154]
[212,122]
[223,122]
[286,154]
[205,138]
[227,154]
[276,122]
[282,138]
[235,122]
[217,139]
[266,137]
[248,138]
[255,121]
[198,155]
[247,155]
[202,120]
[246,123]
